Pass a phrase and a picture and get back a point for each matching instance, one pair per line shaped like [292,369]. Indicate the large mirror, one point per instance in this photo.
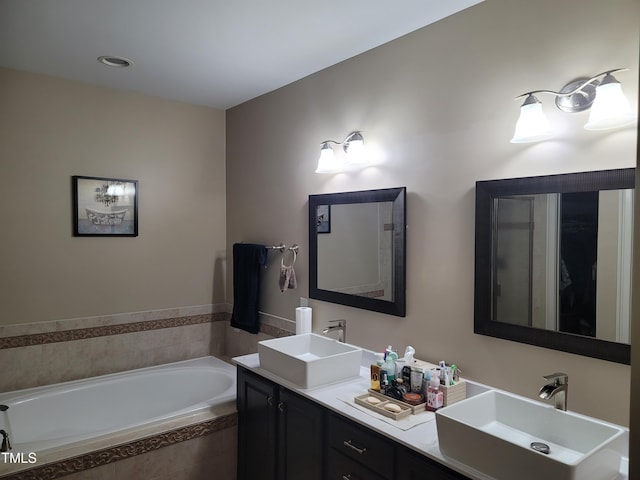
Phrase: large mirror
[357,249]
[553,261]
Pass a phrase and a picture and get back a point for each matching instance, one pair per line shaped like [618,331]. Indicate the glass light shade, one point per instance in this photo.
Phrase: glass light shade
[532,126]
[327,163]
[610,108]
[356,153]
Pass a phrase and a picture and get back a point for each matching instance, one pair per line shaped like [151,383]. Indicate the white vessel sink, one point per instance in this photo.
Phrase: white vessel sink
[493,432]
[310,360]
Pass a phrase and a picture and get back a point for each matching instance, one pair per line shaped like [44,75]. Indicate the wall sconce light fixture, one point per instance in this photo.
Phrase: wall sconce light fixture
[353,146]
[609,107]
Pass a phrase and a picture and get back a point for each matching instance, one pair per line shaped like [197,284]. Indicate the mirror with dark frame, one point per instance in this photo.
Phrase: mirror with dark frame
[553,261]
[357,249]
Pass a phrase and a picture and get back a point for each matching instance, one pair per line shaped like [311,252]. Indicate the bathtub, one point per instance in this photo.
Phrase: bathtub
[55,417]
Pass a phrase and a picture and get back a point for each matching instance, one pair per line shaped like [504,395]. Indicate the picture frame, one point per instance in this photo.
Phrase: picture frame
[323,218]
[104,207]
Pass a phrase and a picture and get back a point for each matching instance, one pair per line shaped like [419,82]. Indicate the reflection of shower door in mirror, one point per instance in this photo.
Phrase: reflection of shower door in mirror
[513,253]
[578,256]
[581,257]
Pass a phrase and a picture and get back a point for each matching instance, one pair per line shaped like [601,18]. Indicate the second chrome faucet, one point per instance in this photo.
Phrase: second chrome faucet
[340,326]
[558,389]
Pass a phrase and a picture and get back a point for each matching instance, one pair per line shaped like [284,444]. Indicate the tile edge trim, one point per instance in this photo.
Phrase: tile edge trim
[33,339]
[109,455]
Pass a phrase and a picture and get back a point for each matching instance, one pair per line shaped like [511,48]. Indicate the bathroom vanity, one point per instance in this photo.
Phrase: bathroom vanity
[286,432]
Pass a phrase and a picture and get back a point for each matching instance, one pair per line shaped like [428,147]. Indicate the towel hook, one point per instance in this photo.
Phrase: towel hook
[282,247]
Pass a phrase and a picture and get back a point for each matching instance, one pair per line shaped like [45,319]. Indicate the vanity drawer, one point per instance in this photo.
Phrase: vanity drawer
[341,467]
[362,445]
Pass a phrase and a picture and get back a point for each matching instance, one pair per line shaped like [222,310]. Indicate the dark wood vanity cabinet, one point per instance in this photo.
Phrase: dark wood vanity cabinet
[283,436]
[280,434]
[413,466]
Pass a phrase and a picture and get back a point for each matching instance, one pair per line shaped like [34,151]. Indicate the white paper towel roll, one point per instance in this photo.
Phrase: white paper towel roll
[303,320]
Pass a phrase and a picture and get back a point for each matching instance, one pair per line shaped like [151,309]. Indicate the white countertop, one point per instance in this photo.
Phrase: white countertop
[422,438]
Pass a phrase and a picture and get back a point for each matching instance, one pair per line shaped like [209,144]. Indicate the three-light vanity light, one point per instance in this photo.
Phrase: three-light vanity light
[353,146]
[609,107]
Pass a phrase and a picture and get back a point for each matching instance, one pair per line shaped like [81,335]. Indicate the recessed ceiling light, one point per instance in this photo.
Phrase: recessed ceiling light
[112,61]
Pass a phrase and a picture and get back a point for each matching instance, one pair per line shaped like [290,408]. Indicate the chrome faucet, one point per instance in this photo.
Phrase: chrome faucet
[6,445]
[558,389]
[340,326]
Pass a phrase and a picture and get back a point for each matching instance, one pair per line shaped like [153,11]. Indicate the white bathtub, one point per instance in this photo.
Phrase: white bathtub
[44,418]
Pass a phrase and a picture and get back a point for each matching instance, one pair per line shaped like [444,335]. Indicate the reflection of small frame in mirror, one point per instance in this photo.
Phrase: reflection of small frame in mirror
[323,218]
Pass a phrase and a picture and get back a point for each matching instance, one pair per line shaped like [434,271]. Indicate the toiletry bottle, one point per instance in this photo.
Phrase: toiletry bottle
[425,382]
[435,398]
[384,376]
[390,364]
[416,376]
[406,375]
[400,363]
[455,374]
[384,382]
[443,372]
[435,378]
[375,377]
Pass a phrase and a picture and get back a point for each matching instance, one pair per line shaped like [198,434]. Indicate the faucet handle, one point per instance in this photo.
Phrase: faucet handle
[339,323]
[558,377]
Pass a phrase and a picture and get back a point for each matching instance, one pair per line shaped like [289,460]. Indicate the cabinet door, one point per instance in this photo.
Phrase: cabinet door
[362,445]
[412,466]
[341,467]
[257,427]
[301,438]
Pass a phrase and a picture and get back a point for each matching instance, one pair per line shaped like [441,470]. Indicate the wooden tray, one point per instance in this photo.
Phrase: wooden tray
[414,408]
[405,411]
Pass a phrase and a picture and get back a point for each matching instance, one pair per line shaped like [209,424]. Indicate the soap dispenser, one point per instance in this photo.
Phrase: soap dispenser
[435,396]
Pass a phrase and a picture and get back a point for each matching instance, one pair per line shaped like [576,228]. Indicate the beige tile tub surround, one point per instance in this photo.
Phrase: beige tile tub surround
[53,352]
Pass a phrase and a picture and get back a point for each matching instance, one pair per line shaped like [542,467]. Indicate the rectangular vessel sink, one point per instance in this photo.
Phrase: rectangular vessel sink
[310,360]
[493,432]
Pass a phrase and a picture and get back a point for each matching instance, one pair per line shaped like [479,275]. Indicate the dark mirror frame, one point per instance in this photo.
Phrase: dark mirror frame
[398,197]
[486,191]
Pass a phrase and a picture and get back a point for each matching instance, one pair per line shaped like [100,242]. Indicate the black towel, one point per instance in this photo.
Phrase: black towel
[248,260]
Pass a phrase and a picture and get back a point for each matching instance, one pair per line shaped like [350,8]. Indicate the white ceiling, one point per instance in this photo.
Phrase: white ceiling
[207,52]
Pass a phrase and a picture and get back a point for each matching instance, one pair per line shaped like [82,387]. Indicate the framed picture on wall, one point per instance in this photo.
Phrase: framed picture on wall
[105,207]
[323,218]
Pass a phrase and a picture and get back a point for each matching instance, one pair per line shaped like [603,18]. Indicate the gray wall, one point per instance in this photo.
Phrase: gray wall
[436,109]
[51,129]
